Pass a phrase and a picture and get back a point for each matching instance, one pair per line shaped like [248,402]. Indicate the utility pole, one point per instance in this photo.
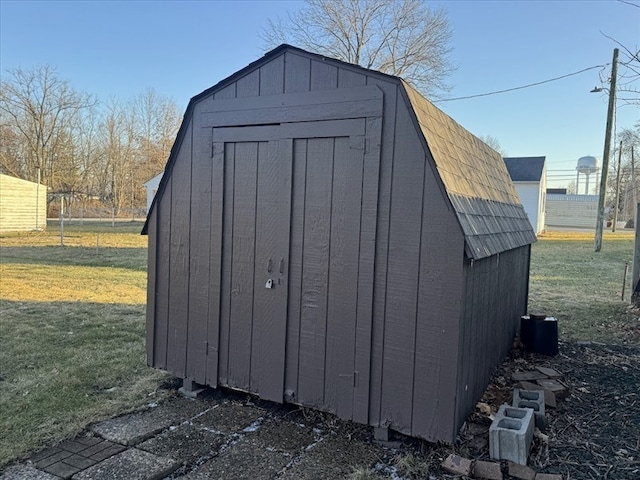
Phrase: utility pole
[633,187]
[615,212]
[607,148]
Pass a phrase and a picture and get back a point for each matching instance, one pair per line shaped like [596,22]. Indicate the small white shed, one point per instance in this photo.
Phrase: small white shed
[529,176]
[152,188]
[23,205]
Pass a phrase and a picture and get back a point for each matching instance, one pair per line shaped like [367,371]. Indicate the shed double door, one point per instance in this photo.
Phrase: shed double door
[297,246]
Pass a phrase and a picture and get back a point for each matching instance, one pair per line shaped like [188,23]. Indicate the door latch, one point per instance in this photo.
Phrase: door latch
[269,284]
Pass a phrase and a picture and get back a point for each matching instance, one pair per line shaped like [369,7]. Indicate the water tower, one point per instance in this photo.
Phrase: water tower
[586,166]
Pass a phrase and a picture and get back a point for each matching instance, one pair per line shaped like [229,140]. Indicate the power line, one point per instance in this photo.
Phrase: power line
[522,86]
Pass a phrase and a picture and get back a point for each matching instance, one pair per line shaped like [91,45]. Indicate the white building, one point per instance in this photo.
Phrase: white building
[23,205]
[572,211]
[529,176]
[152,188]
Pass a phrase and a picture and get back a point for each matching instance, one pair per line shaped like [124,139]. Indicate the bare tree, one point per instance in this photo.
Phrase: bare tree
[494,143]
[405,38]
[117,156]
[626,192]
[10,150]
[158,119]
[40,108]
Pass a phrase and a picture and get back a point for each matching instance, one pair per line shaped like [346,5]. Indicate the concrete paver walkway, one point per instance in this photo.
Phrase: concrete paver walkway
[218,435]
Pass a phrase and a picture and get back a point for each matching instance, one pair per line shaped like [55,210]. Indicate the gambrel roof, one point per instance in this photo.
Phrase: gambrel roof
[477,182]
[473,175]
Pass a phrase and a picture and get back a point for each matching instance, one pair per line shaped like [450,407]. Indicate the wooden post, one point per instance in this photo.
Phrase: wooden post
[615,211]
[62,220]
[607,148]
[38,199]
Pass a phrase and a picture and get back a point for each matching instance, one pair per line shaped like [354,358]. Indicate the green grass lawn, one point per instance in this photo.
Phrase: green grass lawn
[72,322]
[582,289]
[71,333]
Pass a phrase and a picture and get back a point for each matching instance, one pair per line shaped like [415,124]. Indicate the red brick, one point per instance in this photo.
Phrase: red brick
[457,465]
[487,470]
[521,472]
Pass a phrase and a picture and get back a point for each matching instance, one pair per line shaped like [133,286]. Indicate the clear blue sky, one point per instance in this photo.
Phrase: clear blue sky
[179,48]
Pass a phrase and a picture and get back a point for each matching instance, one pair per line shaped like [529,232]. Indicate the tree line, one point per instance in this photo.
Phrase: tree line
[95,154]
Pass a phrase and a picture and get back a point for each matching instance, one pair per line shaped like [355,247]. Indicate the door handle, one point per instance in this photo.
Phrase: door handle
[269,265]
[282,265]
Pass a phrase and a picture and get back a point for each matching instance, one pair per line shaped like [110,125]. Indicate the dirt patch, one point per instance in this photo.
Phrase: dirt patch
[591,433]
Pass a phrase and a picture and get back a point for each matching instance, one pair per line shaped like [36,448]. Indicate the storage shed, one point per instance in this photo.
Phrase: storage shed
[323,235]
[23,205]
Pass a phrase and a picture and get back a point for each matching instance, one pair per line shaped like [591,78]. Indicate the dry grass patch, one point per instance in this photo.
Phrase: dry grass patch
[583,288]
[50,283]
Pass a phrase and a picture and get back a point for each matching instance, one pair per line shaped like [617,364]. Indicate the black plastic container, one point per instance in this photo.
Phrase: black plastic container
[539,334]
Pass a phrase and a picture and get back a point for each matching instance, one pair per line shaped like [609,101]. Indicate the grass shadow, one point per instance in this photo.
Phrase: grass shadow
[66,364]
[129,258]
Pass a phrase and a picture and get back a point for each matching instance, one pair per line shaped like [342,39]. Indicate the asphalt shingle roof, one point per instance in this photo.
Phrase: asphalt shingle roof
[525,169]
[477,182]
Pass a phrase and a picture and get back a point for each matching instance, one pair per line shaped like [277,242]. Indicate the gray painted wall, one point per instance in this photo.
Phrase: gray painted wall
[333,196]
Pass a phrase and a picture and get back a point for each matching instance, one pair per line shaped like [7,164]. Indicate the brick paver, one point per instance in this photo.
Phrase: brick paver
[75,455]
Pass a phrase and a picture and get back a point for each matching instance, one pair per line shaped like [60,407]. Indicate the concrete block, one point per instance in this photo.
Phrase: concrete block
[521,472]
[457,465]
[381,433]
[487,470]
[533,399]
[190,388]
[549,396]
[190,393]
[131,464]
[511,433]
[26,472]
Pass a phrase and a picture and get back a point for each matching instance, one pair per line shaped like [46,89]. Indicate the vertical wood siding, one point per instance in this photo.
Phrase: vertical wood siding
[179,223]
[200,253]
[382,245]
[440,285]
[403,263]
[376,315]
[273,213]
[152,262]
[495,296]
[163,277]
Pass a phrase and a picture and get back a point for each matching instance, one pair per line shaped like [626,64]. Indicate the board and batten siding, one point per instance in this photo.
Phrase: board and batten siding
[23,205]
[494,299]
[368,316]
